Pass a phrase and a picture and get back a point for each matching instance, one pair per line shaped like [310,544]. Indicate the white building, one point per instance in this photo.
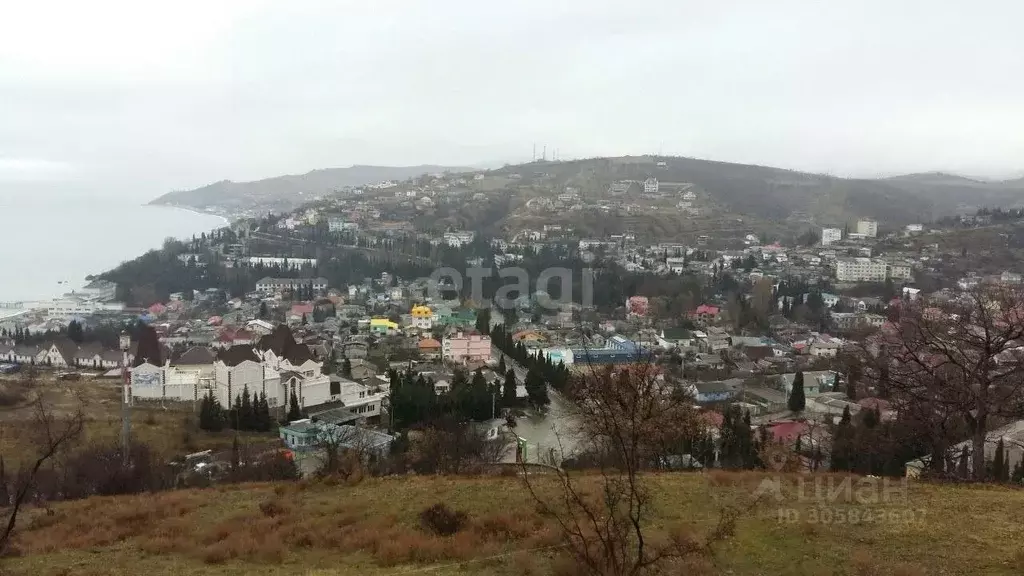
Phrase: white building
[676,264]
[900,271]
[861,270]
[278,261]
[270,285]
[651,185]
[457,239]
[277,367]
[70,307]
[915,228]
[868,228]
[830,235]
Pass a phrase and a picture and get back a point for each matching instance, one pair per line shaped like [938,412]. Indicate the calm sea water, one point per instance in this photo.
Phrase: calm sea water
[50,237]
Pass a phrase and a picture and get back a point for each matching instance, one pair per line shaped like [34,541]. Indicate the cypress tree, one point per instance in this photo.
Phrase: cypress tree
[294,413]
[508,392]
[797,399]
[999,465]
[246,416]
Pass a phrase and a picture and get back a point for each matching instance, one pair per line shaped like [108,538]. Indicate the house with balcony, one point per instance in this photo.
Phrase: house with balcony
[466,347]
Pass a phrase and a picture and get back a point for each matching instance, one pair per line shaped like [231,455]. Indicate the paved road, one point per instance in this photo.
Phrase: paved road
[546,431]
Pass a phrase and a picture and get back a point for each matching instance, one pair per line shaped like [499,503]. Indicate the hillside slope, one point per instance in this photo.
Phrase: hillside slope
[372,528]
[779,194]
[284,193]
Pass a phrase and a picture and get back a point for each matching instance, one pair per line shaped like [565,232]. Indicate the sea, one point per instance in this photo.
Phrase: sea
[51,239]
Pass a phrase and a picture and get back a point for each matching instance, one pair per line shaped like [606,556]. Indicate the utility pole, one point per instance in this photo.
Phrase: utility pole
[126,407]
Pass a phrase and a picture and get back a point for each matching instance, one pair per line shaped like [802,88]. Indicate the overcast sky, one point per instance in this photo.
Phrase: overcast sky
[151,96]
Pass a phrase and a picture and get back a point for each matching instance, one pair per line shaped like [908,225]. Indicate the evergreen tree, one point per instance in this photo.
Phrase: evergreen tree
[1017,477]
[536,388]
[294,412]
[148,346]
[797,400]
[999,464]
[842,443]
[75,333]
[246,416]
[963,467]
[346,369]
[508,391]
[235,413]
[262,414]
[264,313]
[501,365]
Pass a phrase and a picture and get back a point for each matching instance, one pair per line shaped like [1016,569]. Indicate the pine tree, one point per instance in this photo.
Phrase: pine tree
[346,369]
[501,365]
[508,391]
[797,399]
[294,412]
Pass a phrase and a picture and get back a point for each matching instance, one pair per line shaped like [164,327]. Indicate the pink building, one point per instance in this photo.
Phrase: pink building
[466,348]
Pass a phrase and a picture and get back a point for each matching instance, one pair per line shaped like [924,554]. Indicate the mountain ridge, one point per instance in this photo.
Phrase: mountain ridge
[289,191]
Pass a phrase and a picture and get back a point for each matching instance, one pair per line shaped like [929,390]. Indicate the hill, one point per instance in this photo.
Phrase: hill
[372,528]
[776,194]
[286,193]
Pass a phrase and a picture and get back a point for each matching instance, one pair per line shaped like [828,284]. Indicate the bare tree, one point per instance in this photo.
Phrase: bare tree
[53,435]
[450,447]
[341,450]
[961,359]
[631,419]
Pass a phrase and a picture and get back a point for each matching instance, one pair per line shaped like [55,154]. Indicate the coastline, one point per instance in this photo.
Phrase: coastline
[225,219]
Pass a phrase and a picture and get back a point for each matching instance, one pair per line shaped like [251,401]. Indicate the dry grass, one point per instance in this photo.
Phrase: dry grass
[163,428]
[373,528]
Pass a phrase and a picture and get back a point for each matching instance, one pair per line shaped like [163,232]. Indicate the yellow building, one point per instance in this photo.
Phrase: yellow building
[422,317]
[382,326]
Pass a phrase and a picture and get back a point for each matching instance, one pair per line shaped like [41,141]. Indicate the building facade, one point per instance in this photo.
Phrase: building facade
[830,235]
[861,270]
[868,228]
[466,348]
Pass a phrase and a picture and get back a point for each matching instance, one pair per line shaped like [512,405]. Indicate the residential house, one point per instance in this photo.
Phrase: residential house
[675,338]
[721,391]
[466,347]
[815,382]
[429,348]
[422,317]
[383,326]
[706,313]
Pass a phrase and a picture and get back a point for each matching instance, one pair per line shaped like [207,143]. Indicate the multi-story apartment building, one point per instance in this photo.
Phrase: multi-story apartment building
[830,235]
[868,228]
[465,347]
[861,270]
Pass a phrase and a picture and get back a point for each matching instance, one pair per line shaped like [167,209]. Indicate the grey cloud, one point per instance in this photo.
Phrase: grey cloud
[266,88]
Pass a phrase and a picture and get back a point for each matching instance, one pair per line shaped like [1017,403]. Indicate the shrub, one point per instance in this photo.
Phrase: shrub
[273,507]
[441,520]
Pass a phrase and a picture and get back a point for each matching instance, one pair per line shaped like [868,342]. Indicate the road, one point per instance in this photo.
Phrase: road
[549,433]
